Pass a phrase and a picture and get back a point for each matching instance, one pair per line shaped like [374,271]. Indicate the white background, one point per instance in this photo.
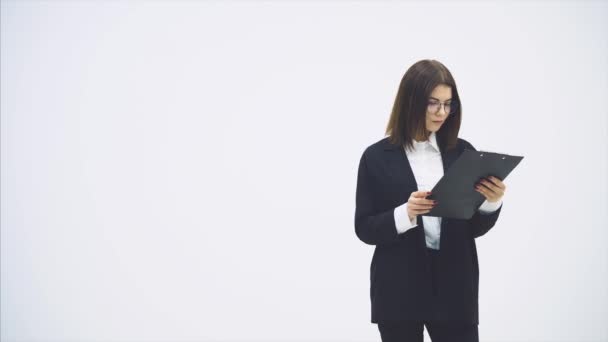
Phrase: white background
[187,171]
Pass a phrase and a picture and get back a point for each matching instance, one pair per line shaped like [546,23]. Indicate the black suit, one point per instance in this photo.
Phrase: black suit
[399,274]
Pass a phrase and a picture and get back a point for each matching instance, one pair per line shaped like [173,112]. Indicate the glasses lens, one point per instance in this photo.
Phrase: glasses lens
[450,108]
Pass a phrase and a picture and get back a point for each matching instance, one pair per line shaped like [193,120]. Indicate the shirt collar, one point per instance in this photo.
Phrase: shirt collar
[431,141]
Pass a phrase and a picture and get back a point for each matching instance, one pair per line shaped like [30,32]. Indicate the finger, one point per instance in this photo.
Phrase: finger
[497,182]
[482,190]
[488,194]
[492,190]
[420,194]
[488,184]
[422,201]
[416,206]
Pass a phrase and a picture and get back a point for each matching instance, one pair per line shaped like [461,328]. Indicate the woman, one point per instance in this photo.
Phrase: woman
[424,270]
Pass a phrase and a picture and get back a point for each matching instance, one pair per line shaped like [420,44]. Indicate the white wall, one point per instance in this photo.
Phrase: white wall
[186,171]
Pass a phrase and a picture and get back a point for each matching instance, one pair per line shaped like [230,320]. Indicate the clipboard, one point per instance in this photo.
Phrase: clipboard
[455,191]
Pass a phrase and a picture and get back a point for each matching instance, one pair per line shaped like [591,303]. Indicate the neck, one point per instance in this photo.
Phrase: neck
[423,138]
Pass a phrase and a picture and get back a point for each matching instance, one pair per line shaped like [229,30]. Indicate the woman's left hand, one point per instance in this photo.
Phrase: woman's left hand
[492,188]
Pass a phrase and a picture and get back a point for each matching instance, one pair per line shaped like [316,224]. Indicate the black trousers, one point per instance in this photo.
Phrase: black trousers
[409,331]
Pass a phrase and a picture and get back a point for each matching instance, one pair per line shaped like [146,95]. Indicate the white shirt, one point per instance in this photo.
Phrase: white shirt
[427,166]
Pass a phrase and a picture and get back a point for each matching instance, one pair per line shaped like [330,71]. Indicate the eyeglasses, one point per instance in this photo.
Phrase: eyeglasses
[450,107]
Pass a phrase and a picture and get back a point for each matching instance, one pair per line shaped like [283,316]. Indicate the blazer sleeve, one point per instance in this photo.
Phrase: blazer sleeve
[481,223]
[371,226]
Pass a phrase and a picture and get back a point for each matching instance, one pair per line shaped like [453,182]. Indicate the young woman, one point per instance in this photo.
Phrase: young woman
[424,270]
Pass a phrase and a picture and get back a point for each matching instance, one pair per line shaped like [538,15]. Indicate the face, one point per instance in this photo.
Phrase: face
[443,94]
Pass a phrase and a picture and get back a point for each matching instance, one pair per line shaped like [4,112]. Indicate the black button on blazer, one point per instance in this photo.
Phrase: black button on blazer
[400,287]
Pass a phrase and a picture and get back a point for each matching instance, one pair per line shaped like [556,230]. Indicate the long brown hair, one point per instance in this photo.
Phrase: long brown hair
[408,117]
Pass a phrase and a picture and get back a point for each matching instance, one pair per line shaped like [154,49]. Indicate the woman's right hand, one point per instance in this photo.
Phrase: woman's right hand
[418,205]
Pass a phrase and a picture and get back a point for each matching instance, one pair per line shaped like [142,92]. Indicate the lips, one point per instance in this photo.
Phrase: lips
[437,121]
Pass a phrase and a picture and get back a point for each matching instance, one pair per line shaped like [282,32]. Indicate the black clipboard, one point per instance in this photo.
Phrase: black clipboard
[455,191]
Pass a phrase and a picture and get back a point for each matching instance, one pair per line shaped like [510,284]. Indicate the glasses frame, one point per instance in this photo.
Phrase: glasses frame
[453,105]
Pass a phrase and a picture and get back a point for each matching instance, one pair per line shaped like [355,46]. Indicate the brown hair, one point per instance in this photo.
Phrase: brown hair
[408,117]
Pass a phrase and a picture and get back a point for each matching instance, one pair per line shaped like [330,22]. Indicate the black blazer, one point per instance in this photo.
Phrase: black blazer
[400,279]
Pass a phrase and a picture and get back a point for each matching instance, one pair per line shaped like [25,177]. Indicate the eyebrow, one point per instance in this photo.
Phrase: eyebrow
[434,98]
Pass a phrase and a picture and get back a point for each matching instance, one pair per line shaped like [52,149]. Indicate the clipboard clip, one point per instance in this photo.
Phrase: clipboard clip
[503,156]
